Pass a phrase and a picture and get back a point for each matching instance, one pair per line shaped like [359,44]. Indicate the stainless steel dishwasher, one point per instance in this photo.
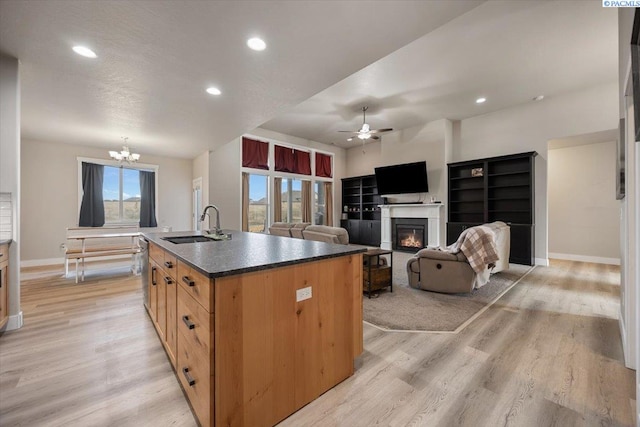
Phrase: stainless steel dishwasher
[144,268]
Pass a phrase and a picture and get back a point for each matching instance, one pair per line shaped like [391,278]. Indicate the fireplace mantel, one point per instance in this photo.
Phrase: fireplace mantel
[433,212]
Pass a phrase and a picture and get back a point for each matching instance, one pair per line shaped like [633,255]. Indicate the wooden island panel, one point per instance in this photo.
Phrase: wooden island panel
[276,354]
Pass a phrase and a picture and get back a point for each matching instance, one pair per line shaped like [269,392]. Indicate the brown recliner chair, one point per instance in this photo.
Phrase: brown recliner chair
[440,271]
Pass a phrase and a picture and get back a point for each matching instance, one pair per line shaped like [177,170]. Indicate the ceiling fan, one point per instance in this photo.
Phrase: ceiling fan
[365,131]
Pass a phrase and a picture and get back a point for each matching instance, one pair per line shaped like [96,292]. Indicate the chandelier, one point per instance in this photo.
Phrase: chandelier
[125,155]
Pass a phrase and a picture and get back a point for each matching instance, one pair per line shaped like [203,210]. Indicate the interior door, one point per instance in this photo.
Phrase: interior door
[197,204]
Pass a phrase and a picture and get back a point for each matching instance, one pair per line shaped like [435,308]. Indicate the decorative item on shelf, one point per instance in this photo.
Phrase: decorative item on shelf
[125,155]
[477,172]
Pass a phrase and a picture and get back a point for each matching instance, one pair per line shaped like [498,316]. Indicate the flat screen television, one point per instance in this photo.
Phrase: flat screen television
[402,179]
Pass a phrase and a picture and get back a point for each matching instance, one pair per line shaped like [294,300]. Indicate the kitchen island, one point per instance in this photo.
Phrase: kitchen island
[257,326]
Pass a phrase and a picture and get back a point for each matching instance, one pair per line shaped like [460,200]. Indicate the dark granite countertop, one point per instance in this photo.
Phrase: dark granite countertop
[247,252]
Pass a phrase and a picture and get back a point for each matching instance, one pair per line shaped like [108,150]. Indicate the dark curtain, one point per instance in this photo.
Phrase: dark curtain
[284,159]
[303,162]
[323,165]
[255,154]
[291,160]
[92,206]
[148,199]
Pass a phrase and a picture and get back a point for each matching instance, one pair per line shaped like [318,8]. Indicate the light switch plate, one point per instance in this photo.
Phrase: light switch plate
[303,294]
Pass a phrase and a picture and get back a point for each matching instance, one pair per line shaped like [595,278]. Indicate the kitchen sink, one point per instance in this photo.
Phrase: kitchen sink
[187,239]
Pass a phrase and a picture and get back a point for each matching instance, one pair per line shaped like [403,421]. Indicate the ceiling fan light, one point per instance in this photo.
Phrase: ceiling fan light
[365,128]
[364,136]
[135,157]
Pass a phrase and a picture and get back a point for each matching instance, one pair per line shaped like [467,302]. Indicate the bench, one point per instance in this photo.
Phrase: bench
[94,242]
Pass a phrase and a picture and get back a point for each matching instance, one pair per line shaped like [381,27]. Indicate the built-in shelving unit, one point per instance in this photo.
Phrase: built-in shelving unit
[360,201]
[495,189]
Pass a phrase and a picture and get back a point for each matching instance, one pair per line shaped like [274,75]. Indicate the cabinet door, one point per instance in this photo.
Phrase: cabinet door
[353,230]
[521,244]
[4,289]
[370,232]
[161,315]
[172,319]
[154,274]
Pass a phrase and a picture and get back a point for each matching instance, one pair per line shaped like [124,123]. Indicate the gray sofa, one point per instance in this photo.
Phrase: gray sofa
[439,271]
[320,233]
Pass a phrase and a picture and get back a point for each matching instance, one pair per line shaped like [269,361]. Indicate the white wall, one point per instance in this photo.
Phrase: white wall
[50,195]
[430,142]
[201,170]
[10,174]
[584,215]
[225,181]
[529,127]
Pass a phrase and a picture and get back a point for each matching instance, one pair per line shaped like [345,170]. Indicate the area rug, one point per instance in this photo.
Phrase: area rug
[408,309]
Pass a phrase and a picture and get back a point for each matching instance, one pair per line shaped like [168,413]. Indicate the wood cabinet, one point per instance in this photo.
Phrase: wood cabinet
[495,189]
[248,352]
[360,202]
[163,297]
[4,284]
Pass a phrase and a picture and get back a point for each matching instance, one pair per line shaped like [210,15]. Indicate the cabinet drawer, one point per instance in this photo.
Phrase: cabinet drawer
[196,285]
[4,252]
[194,323]
[157,253]
[164,260]
[195,374]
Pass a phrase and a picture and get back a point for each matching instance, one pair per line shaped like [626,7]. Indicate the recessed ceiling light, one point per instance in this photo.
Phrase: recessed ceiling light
[213,91]
[84,51]
[480,100]
[538,98]
[256,44]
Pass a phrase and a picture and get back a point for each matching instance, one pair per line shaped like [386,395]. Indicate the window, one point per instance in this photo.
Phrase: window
[121,194]
[291,200]
[111,193]
[258,203]
[320,208]
[294,185]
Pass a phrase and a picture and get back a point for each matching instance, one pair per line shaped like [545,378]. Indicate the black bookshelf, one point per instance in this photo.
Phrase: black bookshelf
[360,202]
[495,189]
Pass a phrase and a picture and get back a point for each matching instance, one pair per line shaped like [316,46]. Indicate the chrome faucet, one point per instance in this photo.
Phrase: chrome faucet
[204,213]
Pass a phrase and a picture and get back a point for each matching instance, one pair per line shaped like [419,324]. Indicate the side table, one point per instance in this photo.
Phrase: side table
[375,276]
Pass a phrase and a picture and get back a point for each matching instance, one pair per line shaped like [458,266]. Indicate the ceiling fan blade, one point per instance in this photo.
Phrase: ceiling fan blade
[381,130]
[374,137]
[348,131]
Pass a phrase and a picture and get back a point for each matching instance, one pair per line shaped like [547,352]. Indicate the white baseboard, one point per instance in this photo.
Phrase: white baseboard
[586,258]
[14,322]
[544,262]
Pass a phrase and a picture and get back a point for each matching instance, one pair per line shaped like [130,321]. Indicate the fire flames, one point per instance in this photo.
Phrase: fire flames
[411,242]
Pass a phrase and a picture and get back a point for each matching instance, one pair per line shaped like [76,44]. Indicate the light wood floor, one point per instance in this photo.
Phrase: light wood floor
[548,353]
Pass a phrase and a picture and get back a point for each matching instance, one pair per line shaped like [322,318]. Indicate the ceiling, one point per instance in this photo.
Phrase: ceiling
[410,62]
[506,51]
[156,58]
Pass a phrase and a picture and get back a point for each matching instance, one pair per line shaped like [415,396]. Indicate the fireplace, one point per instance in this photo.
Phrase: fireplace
[409,234]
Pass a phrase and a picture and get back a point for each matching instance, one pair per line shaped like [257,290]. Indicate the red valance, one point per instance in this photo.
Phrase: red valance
[255,154]
[323,165]
[292,160]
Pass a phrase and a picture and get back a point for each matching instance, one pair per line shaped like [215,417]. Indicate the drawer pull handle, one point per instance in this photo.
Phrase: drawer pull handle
[168,264]
[168,280]
[188,281]
[153,276]
[189,378]
[188,322]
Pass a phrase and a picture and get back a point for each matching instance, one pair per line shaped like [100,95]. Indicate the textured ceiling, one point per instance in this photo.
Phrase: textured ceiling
[506,51]
[155,59]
